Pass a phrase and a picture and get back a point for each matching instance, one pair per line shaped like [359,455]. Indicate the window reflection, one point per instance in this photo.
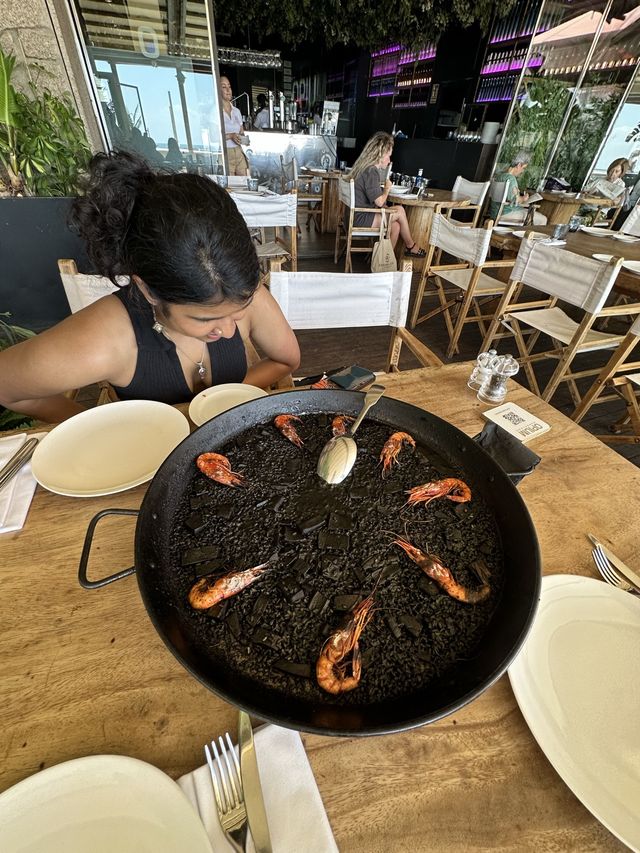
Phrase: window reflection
[559,133]
[151,62]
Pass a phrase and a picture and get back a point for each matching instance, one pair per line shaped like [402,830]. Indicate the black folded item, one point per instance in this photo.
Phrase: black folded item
[509,452]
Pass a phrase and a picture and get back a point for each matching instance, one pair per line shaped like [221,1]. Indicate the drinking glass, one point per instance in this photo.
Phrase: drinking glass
[343,165]
[222,181]
[252,183]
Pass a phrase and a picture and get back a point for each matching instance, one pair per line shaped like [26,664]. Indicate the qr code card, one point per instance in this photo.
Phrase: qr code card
[517,421]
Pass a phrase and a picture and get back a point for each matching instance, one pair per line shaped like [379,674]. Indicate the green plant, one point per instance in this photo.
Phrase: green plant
[534,124]
[367,24]
[583,134]
[10,335]
[43,145]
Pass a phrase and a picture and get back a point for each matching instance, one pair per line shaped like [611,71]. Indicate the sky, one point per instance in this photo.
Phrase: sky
[154,85]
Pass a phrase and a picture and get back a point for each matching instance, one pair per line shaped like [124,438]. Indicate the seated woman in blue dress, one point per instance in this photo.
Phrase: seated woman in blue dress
[178,326]
[371,192]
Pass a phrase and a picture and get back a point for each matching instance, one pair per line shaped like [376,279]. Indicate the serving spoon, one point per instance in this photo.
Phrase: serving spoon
[338,456]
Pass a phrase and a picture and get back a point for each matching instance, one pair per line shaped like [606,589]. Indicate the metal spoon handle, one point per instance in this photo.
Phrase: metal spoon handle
[370,399]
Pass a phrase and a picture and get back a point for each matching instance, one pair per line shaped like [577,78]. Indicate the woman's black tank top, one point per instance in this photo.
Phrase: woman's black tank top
[159,375]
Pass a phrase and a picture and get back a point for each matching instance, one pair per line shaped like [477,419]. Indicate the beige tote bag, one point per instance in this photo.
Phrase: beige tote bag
[383,258]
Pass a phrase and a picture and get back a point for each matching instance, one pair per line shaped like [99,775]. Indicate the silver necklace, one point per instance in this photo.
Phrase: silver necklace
[202,370]
[158,327]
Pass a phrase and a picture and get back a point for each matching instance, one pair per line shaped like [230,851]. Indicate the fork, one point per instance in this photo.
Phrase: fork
[608,572]
[227,788]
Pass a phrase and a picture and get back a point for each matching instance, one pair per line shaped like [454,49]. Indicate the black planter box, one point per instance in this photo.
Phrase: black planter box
[33,235]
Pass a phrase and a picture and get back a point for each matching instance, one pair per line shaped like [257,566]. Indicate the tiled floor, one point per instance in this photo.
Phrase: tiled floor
[339,347]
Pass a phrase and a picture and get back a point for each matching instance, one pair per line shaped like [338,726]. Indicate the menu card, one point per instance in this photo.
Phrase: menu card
[516,421]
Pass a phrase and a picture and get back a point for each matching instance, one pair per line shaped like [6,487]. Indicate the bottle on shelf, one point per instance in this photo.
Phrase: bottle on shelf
[417,184]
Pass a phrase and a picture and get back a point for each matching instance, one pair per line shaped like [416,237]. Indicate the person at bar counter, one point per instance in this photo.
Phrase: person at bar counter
[514,210]
[233,130]
[261,121]
[371,192]
[178,326]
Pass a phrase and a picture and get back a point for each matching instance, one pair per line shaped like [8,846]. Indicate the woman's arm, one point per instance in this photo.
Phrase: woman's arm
[269,331]
[91,346]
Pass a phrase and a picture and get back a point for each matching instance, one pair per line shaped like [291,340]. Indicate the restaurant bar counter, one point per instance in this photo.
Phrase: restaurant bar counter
[442,160]
[266,147]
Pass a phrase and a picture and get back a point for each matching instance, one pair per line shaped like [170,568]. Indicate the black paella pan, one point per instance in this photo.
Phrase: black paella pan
[504,635]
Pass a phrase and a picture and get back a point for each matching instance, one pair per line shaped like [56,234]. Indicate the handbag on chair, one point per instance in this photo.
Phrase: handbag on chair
[383,258]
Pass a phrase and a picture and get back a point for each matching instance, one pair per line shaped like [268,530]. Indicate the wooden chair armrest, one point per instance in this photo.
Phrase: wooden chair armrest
[424,355]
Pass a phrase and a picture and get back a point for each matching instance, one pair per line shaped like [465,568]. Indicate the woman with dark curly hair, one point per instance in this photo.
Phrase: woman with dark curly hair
[178,325]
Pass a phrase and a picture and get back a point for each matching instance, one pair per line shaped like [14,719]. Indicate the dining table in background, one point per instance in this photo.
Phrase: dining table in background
[585,244]
[420,212]
[560,207]
[331,201]
[86,673]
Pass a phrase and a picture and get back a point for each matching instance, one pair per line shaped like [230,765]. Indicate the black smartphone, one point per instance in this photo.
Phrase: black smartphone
[353,378]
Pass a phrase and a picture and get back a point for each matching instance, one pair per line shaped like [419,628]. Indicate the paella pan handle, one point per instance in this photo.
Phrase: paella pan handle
[86,550]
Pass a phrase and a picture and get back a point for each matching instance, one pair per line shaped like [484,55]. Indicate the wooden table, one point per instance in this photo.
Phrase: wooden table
[331,203]
[585,244]
[86,673]
[559,208]
[420,214]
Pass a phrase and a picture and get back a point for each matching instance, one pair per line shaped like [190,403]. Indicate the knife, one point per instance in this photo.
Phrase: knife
[617,564]
[254,803]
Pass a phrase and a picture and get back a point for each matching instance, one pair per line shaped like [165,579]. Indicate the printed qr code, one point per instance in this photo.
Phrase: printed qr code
[513,418]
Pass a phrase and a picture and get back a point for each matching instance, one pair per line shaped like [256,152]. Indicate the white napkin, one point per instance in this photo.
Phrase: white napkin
[17,494]
[296,815]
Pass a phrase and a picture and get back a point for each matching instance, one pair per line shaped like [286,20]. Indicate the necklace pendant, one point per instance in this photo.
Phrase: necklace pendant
[202,371]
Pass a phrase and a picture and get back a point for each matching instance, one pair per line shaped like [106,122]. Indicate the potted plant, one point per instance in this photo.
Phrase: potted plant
[43,154]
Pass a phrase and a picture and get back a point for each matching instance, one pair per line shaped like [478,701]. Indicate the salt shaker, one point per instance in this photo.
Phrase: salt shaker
[494,389]
[482,370]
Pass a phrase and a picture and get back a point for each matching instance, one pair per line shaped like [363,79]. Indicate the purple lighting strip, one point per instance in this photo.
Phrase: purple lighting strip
[515,65]
[393,48]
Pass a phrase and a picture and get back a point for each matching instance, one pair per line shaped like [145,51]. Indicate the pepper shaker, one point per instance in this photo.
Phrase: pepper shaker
[481,370]
[494,389]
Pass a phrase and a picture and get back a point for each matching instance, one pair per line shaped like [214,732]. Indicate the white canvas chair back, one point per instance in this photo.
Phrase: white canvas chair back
[580,281]
[631,225]
[347,192]
[311,300]
[236,181]
[498,192]
[270,211]
[469,244]
[83,290]
[476,191]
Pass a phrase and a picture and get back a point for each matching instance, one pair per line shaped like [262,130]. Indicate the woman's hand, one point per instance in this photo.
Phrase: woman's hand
[387,186]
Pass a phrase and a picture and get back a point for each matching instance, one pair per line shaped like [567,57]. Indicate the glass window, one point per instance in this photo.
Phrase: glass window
[156,80]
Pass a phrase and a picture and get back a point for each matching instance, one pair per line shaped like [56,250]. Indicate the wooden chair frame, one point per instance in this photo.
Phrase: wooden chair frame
[620,386]
[563,353]
[450,295]
[351,231]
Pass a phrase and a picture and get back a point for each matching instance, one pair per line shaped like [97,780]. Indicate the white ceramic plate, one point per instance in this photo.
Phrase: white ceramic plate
[109,448]
[536,235]
[577,682]
[102,804]
[632,266]
[599,257]
[625,238]
[396,190]
[501,229]
[212,401]
[597,232]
